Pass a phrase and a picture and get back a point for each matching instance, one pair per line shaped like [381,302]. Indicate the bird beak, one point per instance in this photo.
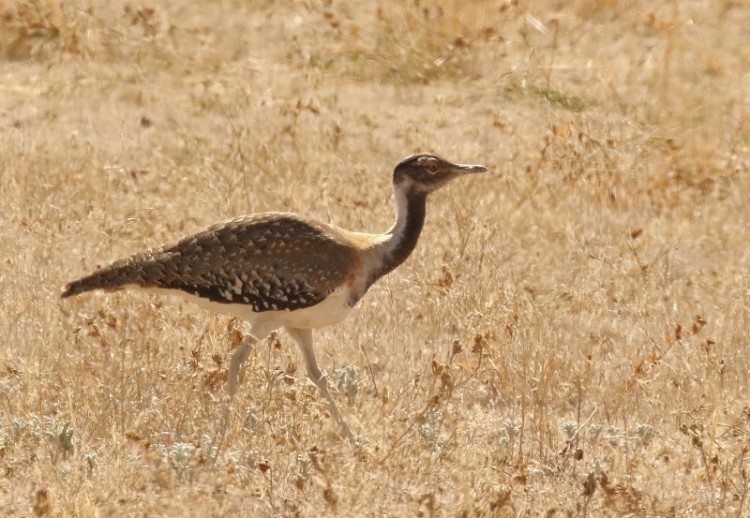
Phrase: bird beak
[469,168]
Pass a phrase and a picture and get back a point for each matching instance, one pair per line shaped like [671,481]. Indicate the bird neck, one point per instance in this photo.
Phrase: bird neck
[403,235]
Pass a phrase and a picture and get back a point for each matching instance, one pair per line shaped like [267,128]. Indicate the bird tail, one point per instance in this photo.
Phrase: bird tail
[113,277]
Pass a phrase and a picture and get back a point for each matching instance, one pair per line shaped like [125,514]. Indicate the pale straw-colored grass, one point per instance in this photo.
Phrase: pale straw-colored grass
[571,335]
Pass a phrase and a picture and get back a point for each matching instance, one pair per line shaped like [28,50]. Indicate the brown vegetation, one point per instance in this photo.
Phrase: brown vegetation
[568,339]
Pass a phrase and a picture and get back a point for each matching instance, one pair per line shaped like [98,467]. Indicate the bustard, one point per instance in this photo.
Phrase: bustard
[284,270]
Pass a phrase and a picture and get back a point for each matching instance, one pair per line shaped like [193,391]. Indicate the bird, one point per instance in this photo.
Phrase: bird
[284,270]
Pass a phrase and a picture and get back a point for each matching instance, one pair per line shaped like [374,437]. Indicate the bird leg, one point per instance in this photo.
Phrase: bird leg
[237,365]
[304,338]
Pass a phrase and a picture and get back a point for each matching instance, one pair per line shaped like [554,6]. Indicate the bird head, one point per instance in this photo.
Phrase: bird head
[425,172]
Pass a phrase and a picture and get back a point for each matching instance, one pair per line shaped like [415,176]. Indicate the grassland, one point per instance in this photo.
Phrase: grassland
[570,337]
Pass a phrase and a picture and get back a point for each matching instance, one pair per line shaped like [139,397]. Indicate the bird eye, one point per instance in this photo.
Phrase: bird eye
[432,167]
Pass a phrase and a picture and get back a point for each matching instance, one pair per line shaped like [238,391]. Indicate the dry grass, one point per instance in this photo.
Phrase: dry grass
[570,337]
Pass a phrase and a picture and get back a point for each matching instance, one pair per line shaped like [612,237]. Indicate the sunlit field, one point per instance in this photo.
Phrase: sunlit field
[570,337]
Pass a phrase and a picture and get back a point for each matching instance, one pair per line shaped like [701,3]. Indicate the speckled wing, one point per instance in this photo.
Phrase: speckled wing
[269,262]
